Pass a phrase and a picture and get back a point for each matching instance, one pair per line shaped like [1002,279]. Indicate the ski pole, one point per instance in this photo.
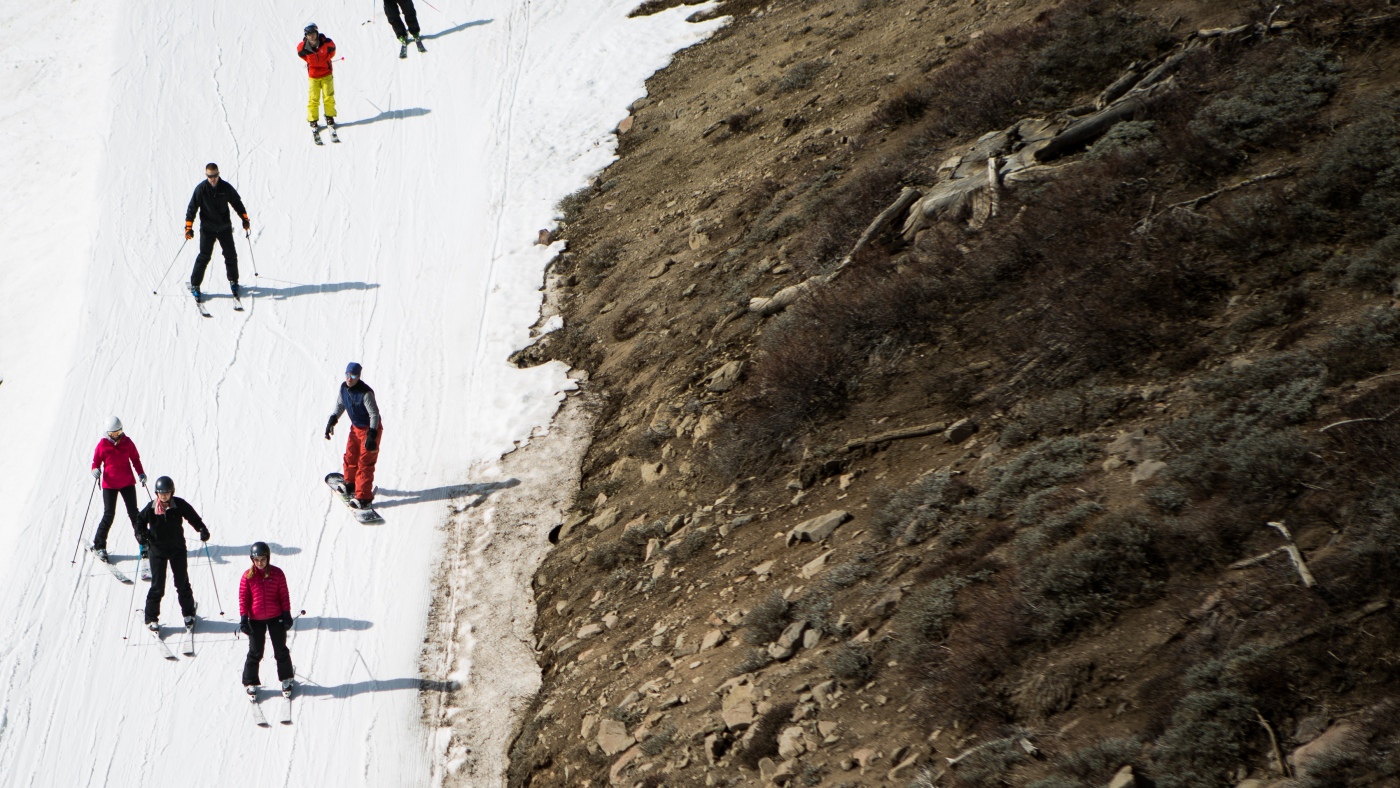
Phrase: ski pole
[211,578]
[172,265]
[85,516]
[132,603]
[292,629]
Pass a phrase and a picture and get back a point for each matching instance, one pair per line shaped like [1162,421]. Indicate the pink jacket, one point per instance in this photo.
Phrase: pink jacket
[116,459]
[263,596]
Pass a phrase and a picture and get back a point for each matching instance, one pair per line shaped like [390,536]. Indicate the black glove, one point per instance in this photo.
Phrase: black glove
[286,619]
[141,538]
[330,427]
[247,225]
[203,534]
[244,627]
[372,441]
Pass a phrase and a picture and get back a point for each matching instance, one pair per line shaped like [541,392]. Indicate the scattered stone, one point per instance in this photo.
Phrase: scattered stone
[817,528]
[897,772]
[652,472]
[1113,463]
[612,737]
[1146,470]
[606,519]
[589,721]
[790,743]
[824,692]
[1331,739]
[763,568]
[653,547]
[608,307]
[615,773]
[588,631]
[884,606]
[1310,727]
[767,769]
[960,430]
[660,269]
[545,238]
[847,764]
[811,638]
[712,638]
[737,710]
[715,747]
[723,379]
[660,568]
[625,126]
[1123,779]
[827,727]
[863,757]
[815,566]
[610,620]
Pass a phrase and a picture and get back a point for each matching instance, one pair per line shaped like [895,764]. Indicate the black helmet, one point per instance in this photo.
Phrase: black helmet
[311,28]
[165,484]
[260,550]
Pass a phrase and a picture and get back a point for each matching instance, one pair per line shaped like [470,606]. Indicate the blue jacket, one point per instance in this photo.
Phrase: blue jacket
[358,401]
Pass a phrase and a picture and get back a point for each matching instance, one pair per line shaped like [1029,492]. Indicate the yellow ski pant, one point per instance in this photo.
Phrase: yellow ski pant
[322,88]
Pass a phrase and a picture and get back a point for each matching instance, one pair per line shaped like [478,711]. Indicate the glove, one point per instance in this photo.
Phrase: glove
[97,472]
[244,627]
[141,538]
[204,534]
[246,224]
[285,619]
[372,441]
[143,479]
[189,230]
[330,427]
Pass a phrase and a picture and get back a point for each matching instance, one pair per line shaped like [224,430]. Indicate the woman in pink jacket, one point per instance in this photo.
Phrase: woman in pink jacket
[112,462]
[265,606]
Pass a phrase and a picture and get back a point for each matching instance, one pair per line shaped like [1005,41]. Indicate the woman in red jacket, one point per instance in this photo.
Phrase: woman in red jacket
[112,462]
[265,606]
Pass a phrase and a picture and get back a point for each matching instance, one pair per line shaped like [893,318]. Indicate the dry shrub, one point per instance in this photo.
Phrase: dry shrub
[765,620]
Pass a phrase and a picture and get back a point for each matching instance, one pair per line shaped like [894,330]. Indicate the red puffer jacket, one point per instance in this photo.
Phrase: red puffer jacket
[116,459]
[318,60]
[263,595]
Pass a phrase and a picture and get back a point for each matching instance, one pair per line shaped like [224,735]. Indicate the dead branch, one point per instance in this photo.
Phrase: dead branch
[1195,202]
[906,198]
[1258,559]
[895,435]
[1273,740]
[1358,421]
[1295,555]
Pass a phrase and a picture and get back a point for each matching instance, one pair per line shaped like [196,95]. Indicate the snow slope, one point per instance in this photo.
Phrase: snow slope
[407,248]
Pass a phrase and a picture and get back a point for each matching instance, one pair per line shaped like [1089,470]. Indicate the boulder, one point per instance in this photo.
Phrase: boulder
[724,378]
[1147,470]
[737,709]
[612,737]
[810,638]
[960,430]
[1334,738]
[815,566]
[589,721]
[606,519]
[712,638]
[652,472]
[588,631]
[790,743]
[817,528]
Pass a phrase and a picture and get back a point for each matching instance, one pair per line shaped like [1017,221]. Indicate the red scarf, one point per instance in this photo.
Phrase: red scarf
[161,506]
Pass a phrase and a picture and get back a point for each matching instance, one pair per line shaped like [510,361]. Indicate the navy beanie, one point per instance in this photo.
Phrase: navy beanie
[353,369]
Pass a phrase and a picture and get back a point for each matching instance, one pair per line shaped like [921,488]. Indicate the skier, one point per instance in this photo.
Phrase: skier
[265,606]
[210,200]
[318,51]
[405,28]
[160,528]
[362,447]
[112,462]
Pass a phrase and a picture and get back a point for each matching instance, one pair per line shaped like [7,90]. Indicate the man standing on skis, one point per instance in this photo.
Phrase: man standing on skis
[211,200]
[160,528]
[405,26]
[362,447]
[318,51]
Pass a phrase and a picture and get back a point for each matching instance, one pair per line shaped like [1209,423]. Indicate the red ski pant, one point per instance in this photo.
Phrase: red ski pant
[358,466]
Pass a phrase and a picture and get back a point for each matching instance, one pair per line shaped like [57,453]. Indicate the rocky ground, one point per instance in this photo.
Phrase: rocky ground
[1074,475]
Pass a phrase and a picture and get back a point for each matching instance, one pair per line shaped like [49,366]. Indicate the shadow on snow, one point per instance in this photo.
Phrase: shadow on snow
[388,685]
[449,31]
[406,497]
[282,293]
[393,114]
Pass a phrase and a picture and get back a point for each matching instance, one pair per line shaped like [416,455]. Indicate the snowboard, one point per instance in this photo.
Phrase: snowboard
[336,482]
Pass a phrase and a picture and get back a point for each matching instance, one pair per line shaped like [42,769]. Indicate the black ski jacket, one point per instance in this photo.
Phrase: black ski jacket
[211,202]
[164,533]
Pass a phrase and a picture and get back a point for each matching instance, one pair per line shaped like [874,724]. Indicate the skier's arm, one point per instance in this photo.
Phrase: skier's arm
[97,456]
[373,408]
[193,206]
[192,517]
[284,596]
[142,524]
[136,462]
[330,49]
[236,201]
[245,596]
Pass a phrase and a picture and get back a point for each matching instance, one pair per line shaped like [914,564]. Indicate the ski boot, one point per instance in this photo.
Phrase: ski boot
[418,42]
[403,47]
[101,554]
[252,690]
[316,132]
[198,296]
[235,289]
[287,686]
[330,124]
[154,626]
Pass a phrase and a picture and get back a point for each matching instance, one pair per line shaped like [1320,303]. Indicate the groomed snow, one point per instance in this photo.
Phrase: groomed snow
[408,248]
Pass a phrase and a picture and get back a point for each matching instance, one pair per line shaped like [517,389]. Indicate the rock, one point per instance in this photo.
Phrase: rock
[766,770]
[763,568]
[660,568]
[682,650]
[1113,463]
[652,472]
[545,238]
[1146,470]
[610,620]
[791,633]
[737,709]
[612,737]
[715,747]
[884,606]
[721,380]
[815,566]
[653,547]
[615,773]
[1123,779]
[790,743]
[589,630]
[824,691]
[1310,727]
[629,699]
[712,638]
[960,430]
[589,721]
[1128,445]
[625,126]
[847,764]
[810,638]
[660,269]
[606,519]
[1331,739]
[864,757]
[827,728]
[817,528]
[897,772]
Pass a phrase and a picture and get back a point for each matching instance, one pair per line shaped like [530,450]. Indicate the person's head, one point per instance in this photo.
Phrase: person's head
[113,428]
[260,554]
[352,373]
[165,488]
[211,171]
[312,34]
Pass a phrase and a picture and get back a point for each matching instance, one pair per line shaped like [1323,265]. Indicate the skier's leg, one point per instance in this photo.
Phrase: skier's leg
[391,10]
[109,511]
[157,591]
[351,462]
[410,16]
[201,261]
[364,479]
[255,651]
[328,89]
[230,255]
[180,571]
[129,498]
[279,649]
[313,100]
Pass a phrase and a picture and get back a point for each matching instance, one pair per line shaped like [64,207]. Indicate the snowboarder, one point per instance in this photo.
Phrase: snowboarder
[405,27]
[362,447]
[264,606]
[112,462]
[160,527]
[211,200]
[318,51]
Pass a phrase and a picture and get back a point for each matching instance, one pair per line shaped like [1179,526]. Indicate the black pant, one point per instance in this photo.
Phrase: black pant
[206,253]
[273,628]
[179,567]
[109,511]
[410,16]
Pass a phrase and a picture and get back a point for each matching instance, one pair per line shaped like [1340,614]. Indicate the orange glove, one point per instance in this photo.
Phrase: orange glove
[246,224]
[189,230]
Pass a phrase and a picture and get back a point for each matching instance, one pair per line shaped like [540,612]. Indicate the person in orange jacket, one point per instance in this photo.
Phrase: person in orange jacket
[318,51]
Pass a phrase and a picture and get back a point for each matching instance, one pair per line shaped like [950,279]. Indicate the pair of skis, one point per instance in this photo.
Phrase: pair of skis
[316,134]
[199,304]
[117,573]
[261,719]
[403,48]
[186,644]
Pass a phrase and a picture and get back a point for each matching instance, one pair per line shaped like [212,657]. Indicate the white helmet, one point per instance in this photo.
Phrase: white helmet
[114,424]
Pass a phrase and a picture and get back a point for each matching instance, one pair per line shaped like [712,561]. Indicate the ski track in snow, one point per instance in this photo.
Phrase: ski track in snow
[407,247]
